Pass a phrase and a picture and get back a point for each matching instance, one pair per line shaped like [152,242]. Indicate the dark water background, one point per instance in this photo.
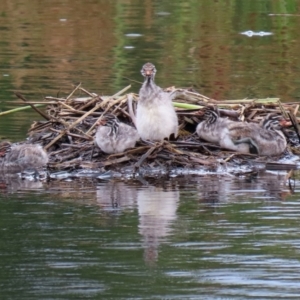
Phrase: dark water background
[218,237]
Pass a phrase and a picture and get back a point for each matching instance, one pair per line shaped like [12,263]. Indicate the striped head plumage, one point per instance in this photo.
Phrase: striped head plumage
[210,115]
[5,147]
[112,122]
[272,122]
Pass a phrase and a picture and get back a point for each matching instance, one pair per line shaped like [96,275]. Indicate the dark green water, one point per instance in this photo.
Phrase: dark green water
[48,46]
[185,238]
[215,237]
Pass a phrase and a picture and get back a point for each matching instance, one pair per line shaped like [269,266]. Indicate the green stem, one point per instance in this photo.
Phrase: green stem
[18,109]
[186,105]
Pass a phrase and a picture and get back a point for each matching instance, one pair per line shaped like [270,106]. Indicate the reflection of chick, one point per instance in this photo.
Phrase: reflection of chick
[116,194]
[269,186]
[11,183]
[157,210]
[277,186]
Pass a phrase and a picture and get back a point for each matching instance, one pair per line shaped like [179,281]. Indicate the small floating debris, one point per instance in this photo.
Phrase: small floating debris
[60,175]
[133,35]
[163,13]
[284,15]
[251,33]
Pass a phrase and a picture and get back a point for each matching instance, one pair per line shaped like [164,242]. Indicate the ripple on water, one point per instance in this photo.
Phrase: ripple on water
[250,273]
[66,286]
[201,245]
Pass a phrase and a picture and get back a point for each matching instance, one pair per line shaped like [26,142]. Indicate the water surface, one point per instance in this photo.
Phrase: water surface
[218,237]
[174,239]
[47,47]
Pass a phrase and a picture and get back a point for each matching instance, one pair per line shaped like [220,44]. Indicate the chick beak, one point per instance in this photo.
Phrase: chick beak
[284,123]
[200,113]
[101,122]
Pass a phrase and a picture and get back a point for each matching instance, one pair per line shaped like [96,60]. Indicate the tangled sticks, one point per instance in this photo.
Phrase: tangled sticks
[69,128]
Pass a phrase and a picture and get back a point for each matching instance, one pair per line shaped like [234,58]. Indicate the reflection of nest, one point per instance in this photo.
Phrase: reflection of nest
[68,131]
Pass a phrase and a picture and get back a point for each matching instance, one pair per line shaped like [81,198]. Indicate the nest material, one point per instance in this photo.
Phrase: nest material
[70,125]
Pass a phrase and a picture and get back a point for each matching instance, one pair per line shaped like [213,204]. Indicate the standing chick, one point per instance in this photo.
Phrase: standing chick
[156,118]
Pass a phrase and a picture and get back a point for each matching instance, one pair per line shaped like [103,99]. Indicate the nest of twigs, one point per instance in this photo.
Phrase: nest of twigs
[67,133]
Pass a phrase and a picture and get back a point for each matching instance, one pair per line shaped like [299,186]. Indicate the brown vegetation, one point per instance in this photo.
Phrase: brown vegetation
[67,132]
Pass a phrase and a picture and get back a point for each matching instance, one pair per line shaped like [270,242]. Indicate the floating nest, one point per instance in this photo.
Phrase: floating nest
[69,125]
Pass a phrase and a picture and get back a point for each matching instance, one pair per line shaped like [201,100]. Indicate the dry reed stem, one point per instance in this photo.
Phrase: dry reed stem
[110,162]
[73,92]
[87,92]
[67,106]
[20,96]
[122,91]
[63,132]
[54,99]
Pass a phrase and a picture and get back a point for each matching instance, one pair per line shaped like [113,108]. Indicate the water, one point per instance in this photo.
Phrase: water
[47,47]
[188,237]
[175,239]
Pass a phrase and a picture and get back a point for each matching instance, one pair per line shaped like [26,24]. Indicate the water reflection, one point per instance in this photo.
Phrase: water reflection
[268,186]
[54,47]
[12,183]
[240,238]
[159,201]
[195,229]
[116,194]
[157,211]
